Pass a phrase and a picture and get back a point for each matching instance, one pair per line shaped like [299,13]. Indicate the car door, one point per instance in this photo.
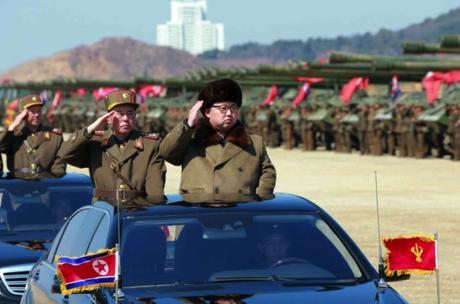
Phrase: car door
[73,240]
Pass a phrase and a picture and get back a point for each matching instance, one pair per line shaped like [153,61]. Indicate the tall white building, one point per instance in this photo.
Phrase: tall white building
[189,30]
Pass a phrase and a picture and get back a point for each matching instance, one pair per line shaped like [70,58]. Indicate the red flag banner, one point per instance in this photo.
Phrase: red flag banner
[352,86]
[57,100]
[433,81]
[410,255]
[272,94]
[87,272]
[100,93]
[310,79]
[152,91]
[303,93]
[10,112]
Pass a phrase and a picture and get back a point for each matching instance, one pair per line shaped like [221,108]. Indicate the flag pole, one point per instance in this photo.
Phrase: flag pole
[438,292]
[118,293]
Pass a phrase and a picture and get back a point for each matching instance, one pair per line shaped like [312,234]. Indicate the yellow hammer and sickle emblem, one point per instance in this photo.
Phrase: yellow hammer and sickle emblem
[417,251]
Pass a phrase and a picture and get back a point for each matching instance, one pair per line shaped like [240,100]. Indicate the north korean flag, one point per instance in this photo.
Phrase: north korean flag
[88,272]
[395,88]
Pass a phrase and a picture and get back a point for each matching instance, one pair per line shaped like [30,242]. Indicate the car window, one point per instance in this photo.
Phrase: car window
[223,246]
[34,206]
[100,236]
[78,233]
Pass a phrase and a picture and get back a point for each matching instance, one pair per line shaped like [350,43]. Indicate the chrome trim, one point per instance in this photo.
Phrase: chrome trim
[15,278]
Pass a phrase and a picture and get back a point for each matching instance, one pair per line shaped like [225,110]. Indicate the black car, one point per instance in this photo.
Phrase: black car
[283,250]
[31,214]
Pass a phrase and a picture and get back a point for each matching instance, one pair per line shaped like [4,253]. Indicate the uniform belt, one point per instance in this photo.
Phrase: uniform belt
[28,170]
[121,194]
[23,170]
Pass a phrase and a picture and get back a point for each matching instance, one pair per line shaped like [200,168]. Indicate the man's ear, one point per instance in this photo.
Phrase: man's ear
[206,112]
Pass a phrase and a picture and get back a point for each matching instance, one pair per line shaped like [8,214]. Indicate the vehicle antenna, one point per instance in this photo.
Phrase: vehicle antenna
[381,266]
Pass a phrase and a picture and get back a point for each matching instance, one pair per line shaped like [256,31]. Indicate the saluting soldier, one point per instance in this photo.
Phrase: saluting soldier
[123,162]
[31,148]
[217,154]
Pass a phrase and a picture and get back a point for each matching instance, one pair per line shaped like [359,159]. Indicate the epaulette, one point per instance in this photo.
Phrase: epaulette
[57,131]
[99,133]
[152,136]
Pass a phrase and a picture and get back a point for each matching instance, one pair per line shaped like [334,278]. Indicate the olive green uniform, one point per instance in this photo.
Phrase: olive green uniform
[141,171]
[30,153]
[216,167]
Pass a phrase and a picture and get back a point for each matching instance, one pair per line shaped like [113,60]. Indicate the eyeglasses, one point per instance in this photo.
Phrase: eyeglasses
[224,108]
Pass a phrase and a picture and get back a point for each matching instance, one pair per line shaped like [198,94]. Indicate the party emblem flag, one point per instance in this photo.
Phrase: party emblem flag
[410,255]
[87,272]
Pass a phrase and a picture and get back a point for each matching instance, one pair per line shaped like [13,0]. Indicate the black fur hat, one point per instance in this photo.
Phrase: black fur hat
[220,90]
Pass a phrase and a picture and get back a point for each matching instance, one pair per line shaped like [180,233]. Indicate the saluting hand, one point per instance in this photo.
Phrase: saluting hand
[17,120]
[100,123]
[194,114]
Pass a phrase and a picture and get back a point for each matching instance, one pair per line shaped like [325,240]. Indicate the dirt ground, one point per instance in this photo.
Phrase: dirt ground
[415,197]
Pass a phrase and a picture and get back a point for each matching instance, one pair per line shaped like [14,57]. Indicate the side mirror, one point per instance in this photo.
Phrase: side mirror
[56,287]
[393,278]
[396,278]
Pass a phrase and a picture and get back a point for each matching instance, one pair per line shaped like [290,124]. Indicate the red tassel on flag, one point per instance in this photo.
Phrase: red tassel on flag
[410,255]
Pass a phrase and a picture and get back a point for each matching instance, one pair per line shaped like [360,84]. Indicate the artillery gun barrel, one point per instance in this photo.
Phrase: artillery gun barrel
[413,47]
[341,57]
[450,41]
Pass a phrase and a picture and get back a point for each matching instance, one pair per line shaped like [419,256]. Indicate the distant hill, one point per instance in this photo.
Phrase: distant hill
[108,59]
[384,42]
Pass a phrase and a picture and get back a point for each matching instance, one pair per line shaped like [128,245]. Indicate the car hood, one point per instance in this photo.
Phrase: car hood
[266,293]
[21,252]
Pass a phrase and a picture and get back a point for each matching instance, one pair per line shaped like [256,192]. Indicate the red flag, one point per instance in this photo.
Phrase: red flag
[433,81]
[56,102]
[100,93]
[272,94]
[414,254]
[87,272]
[81,92]
[310,79]
[357,83]
[10,112]
[303,92]
[152,91]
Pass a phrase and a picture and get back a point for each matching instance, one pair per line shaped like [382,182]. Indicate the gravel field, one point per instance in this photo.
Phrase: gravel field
[415,196]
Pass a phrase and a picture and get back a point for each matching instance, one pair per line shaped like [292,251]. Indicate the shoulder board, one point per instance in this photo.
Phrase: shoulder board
[57,131]
[152,136]
[99,133]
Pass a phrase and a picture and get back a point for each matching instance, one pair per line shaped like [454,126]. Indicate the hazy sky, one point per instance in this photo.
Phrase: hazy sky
[36,28]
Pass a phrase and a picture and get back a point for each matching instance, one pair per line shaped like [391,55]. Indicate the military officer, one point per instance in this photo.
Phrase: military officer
[32,148]
[123,162]
[217,154]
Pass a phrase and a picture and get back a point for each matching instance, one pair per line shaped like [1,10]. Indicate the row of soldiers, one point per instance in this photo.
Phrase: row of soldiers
[375,128]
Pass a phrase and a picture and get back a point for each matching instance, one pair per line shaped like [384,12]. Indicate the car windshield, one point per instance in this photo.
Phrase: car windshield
[233,247]
[32,206]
